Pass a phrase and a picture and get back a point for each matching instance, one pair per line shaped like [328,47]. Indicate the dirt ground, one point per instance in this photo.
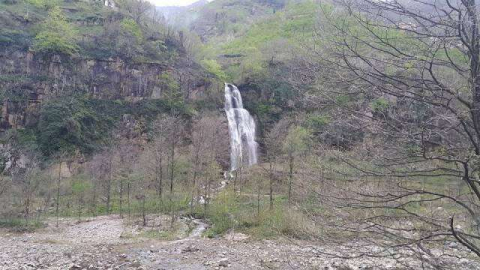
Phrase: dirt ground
[109,243]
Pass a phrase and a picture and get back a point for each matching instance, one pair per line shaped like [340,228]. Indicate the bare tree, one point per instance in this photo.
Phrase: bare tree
[125,154]
[102,169]
[417,63]
[3,185]
[80,188]
[204,148]
[136,8]
[294,145]
[62,157]
[273,153]
[171,130]
[27,179]
[154,159]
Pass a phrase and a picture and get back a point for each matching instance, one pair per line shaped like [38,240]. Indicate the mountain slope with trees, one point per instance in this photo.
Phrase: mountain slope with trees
[365,112]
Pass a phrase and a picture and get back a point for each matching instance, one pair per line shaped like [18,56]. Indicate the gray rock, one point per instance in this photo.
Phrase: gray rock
[223,262]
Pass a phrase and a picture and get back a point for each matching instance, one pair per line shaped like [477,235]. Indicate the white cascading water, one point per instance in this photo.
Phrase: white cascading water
[242,129]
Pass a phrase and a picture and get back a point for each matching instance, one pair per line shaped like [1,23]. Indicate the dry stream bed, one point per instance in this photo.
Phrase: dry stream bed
[109,242]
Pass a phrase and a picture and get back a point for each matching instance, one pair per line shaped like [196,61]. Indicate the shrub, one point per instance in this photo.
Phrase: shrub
[56,36]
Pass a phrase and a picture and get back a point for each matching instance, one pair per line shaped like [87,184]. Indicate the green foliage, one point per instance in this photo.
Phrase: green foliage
[297,140]
[130,27]
[212,67]
[26,139]
[11,2]
[222,213]
[342,100]
[76,123]
[105,32]
[69,124]
[57,35]
[171,91]
[229,211]
[14,38]
[155,234]
[379,105]
[80,186]
[294,23]
[46,4]
[317,122]
[20,225]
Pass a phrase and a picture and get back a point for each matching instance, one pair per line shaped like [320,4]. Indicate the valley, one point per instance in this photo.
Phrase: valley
[227,134]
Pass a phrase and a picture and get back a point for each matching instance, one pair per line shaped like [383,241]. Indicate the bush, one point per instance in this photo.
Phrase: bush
[20,225]
[13,38]
[69,124]
[380,105]
[46,4]
[56,36]
[229,212]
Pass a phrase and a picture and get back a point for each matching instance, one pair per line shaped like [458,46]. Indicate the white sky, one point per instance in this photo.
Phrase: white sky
[172,2]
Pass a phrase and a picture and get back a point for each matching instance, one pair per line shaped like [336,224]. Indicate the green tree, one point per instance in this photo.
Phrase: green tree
[214,69]
[295,144]
[67,125]
[57,35]
[171,92]
[80,188]
[129,39]
[130,27]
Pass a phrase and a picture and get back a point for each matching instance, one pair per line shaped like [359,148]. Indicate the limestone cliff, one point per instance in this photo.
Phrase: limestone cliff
[26,80]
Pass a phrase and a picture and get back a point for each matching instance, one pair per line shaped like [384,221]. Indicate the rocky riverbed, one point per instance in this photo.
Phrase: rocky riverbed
[112,243]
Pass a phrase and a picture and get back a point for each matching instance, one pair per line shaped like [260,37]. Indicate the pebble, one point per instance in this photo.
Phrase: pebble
[95,244]
[223,262]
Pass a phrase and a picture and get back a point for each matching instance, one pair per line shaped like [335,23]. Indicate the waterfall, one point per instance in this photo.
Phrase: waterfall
[242,130]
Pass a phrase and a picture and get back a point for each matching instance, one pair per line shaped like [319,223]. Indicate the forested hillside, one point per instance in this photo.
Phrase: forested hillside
[94,64]
[255,134]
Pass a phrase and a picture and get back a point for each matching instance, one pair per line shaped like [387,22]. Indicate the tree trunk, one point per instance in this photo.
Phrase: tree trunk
[259,187]
[58,191]
[160,180]
[235,183]
[290,181]
[172,176]
[128,200]
[240,180]
[109,186]
[172,167]
[194,188]
[121,199]
[108,197]
[271,185]
[172,221]
[159,176]
[144,214]
[207,193]
[27,209]
[79,209]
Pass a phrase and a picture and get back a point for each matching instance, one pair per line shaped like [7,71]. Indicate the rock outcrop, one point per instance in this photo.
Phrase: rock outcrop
[27,79]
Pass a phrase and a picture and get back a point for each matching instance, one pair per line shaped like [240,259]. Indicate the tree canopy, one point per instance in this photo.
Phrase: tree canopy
[56,35]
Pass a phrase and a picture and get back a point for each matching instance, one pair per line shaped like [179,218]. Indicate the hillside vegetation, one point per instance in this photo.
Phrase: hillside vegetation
[366,123]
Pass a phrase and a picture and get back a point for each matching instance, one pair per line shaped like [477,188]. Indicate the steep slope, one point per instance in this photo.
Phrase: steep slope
[231,17]
[182,16]
[211,19]
[94,63]
[259,46]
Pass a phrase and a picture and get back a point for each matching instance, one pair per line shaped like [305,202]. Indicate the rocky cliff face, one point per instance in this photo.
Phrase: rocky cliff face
[26,80]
